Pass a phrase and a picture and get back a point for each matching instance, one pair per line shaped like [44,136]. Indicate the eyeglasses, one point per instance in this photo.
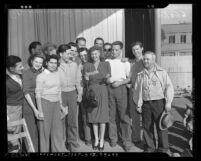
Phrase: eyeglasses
[107,49]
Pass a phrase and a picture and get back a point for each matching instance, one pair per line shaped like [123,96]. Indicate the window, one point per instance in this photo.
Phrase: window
[183,39]
[172,39]
[185,53]
[168,54]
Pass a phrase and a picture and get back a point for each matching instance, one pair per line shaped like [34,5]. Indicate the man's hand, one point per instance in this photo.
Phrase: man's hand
[41,116]
[79,98]
[139,109]
[128,85]
[168,107]
[64,111]
[116,84]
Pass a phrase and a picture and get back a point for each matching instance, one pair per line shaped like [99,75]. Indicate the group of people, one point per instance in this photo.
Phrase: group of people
[50,90]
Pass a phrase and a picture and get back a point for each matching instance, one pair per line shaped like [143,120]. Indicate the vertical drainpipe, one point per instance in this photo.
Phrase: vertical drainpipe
[157,19]
[123,33]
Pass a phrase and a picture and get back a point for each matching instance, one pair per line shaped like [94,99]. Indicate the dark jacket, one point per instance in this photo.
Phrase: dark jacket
[14,92]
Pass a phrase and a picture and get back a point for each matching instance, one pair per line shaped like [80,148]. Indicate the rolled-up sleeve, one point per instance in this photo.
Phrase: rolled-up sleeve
[128,69]
[39,86]
[169,89]
[137,92]
[78,80]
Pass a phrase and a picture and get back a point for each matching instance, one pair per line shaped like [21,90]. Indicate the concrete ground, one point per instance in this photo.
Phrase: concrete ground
[178,136]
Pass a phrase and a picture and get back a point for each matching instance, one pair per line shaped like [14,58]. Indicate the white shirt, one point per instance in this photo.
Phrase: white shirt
[119,70]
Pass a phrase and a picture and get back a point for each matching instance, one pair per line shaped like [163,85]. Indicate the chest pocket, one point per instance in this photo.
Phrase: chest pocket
[155,82]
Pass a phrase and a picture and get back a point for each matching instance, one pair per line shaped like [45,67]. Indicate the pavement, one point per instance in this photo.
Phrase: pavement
[178,136]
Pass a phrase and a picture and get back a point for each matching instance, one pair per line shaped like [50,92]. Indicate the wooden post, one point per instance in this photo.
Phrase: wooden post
[157,17]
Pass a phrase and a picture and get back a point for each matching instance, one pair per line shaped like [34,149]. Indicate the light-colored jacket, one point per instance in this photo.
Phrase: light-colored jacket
[165,81]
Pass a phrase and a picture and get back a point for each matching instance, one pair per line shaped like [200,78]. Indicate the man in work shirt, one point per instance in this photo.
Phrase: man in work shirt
[70,78]
[154,93]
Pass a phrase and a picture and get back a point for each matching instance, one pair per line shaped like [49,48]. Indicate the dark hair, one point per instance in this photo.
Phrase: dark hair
[95,47]
[32,57]
[98,38]
[11,61]
[137,43]
[72,44]
[118,43]
[33,45]
[87,51]
[83,49]
[46,46]
[52,57]
[62,48]
[107,43]
[80,38]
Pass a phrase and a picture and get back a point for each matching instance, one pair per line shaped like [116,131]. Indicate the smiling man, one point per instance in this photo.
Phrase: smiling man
[118,97]
[154,93]
[70,78]
[137,66]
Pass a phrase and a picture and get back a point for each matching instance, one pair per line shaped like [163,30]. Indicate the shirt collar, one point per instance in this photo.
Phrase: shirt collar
[16,78]
[36,71]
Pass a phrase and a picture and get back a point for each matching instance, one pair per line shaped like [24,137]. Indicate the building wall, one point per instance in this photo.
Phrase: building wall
[179,69]
[176,57]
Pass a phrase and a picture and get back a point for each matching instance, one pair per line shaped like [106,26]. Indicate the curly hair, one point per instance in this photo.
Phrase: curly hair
[100,49]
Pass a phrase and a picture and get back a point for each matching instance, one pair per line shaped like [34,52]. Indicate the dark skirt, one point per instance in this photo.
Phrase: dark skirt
[99,114]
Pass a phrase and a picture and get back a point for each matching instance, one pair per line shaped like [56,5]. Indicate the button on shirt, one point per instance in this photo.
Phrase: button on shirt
[151,88]
[70,77]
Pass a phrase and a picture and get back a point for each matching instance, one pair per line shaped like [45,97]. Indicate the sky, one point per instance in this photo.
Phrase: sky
[176,13]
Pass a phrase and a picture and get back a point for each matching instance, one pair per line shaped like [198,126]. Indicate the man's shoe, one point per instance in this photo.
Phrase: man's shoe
[113,144]
[88,143]
[127,148]
[76,145]
[139,144]
[71,148]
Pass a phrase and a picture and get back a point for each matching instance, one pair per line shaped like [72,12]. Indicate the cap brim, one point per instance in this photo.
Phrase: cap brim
[160,121]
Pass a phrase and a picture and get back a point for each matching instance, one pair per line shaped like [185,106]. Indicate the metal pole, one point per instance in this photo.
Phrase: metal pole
[157,17]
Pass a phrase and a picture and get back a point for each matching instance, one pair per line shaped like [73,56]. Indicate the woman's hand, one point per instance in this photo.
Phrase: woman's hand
[36,113]
[41,116]
[64,111]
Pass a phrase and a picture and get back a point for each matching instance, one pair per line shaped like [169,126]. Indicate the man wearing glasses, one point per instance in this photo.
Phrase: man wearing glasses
[107,47]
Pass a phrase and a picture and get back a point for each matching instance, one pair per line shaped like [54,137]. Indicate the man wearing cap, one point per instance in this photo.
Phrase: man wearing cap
[154,93]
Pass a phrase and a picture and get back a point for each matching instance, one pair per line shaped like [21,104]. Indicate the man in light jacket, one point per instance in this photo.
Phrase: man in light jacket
[154,93]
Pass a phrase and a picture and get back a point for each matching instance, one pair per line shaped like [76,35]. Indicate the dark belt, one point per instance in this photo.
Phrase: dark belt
[153,100]
[101,83]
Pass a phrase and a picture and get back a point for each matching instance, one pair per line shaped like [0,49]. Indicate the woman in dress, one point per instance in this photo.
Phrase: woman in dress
[30,110]
[96,74]
[51,110]
[14,95]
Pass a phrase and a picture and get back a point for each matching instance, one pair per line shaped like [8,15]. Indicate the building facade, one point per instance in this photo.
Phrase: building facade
[176,53]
